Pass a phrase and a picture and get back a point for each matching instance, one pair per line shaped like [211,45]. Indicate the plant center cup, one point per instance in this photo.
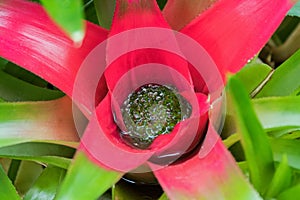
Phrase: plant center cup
[111,150]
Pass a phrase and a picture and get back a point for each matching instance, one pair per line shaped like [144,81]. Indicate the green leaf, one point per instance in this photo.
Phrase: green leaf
[13,170]
[243,165]
[277,113]
[293,135]
[282,178]
[163,197]
[22,74]
[291,193]
[50,120]
[287,147]
[295,11]
[39,152]
[37,149]
[3,62]
[46,185]
[82,173]
[161,3]
[231,140]
[105,12]
[253,138]
[296,92]
[45,160]
[285,29]
[283,132]
[214,176]
[68,14]
[12,141]
[252,75]
[90,11]
[285,79]
[7,190]
[14,89]
[27,175]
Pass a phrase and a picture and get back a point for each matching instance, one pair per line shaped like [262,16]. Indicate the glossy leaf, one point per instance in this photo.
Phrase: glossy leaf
[39,152]
[226,28]
[49,120]
[69,15]
[14,141]
[45,50]
[82,173]
[282,178]
[179,13]
[7,190]
[45,160]
[278,113]
[252,75]
[215,176]
[287,147]
[291,193]
[253,138]
[46,185]
[285,80]
[129,15]
[37,149]
[105,12]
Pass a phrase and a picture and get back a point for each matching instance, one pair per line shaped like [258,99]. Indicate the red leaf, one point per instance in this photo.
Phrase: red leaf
[30,39]
[133,16]
[215,176]
[234,31]
[179,13]
[101,141]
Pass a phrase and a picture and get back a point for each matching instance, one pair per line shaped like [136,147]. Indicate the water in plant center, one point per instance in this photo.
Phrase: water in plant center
[150,111]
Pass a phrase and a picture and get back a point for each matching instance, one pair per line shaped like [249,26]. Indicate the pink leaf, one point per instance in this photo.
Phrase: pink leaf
[133,16]
[234,31]
[30,39]
[179,13]
[215,176]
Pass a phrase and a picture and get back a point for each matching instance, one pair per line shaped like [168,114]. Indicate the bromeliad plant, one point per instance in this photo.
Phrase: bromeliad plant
[230,31]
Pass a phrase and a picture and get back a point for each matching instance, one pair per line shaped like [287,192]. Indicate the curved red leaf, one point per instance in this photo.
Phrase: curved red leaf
[234,31]
[102,143]
[30,39]
[136,37]
[215,176]
[179,13]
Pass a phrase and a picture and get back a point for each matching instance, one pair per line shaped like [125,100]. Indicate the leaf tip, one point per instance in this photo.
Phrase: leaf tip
[77,37]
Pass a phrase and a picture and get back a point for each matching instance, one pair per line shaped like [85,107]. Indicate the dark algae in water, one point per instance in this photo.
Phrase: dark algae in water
[150,111]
